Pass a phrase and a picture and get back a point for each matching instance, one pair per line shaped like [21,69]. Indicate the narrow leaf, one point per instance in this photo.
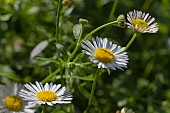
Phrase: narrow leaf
[77,29]
[62,61]
[62,50]
[79,57]
[5,17]
[38,48]
[49,59]
[11,76]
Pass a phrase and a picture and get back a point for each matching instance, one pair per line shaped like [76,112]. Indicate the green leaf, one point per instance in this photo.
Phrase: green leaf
[68,11]
[7,72]
[77,29]
[79,57]
[62,61]
[38,48]
[9,2]
[11,76]
[5,17]
[82,78]
[61,49]
[42,30]
[48,59]
[88,78]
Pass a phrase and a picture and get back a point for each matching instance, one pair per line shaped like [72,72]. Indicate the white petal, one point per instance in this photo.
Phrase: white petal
[56,88]
[39,86]
[61,91]
[46,87]
[94,43]
[30,88]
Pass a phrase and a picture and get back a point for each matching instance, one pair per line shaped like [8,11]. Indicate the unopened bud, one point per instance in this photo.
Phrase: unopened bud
[121,21]
[83,21]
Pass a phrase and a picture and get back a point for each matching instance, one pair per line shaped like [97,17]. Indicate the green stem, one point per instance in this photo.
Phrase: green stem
[98,28]
[113,10]
[57,20]
[131,41]
[87,36]
[43,109]
[61,74]
[146,5]
[77,46]
[74,52]
[49,77]
[93,90]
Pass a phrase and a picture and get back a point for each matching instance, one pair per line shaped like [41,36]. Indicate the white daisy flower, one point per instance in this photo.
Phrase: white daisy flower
[141,22]
[49,94]
[106,54]
[11,102]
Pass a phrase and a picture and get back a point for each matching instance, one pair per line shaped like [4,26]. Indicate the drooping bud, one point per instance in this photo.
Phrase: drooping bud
[121,21]
[83,21]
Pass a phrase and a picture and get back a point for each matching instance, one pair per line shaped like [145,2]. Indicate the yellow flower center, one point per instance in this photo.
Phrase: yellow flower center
[104,55]
[47,96]
[140,23]
[13,103]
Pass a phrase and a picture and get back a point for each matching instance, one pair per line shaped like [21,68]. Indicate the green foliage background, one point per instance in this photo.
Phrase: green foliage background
[143,86]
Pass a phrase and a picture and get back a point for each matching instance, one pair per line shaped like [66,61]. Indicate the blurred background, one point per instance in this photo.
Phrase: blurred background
[144,86]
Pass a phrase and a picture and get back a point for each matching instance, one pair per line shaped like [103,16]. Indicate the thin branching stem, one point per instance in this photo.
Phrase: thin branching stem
[113,10]
[58,20]
[88,35]
[131,41]
[96,76]
[50,76]
[61,74]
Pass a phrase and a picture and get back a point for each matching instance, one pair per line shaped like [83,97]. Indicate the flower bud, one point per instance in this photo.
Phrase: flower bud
[83,21]
[121,21]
